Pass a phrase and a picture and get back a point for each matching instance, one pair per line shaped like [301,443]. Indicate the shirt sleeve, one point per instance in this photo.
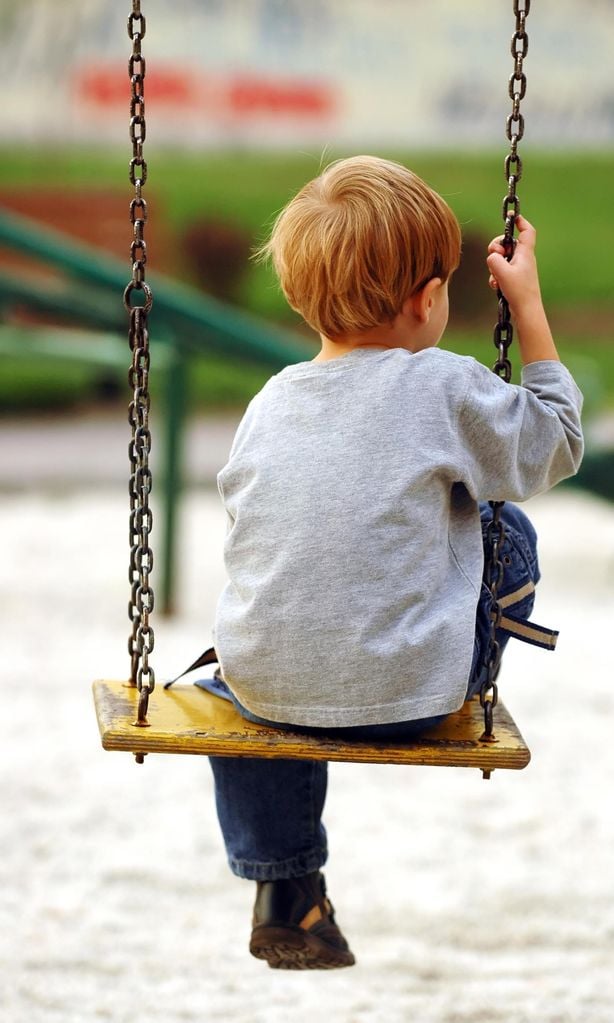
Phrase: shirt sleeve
[518,441]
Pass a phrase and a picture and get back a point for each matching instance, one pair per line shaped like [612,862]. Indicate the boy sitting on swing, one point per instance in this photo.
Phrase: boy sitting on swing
[355,601]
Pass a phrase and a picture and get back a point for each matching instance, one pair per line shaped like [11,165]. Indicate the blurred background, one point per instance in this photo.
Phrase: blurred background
[245,101]
[115,900]
[248,99]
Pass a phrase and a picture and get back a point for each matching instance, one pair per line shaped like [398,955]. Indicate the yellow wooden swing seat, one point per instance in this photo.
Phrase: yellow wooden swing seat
[187,719]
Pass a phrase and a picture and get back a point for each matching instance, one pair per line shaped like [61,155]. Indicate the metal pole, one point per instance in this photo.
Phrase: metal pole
[175,387]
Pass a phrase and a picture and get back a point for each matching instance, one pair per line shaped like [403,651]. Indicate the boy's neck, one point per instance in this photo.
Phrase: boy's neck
[337,349]
[418,325]
[390,335]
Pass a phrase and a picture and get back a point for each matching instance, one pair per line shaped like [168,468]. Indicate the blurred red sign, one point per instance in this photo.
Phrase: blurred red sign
[240,95]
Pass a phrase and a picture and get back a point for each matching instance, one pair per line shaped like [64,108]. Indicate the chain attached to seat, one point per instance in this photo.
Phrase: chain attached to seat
[502,338]
[138,301]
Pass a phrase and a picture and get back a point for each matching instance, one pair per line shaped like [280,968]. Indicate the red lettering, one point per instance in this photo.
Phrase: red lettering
[248,95]
[107,86]
[241,96]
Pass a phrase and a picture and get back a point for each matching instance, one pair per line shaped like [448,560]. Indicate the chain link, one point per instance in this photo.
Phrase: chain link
[502,338]
[514,129]
[138,301]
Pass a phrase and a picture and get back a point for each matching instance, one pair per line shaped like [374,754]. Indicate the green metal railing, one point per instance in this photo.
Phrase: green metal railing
[196,322]
[183,322]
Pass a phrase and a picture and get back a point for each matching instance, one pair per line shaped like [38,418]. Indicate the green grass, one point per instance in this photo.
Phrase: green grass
[30,386]
[567,196]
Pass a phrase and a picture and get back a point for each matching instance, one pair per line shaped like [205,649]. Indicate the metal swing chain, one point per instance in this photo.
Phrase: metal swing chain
[138,301]
[503,335]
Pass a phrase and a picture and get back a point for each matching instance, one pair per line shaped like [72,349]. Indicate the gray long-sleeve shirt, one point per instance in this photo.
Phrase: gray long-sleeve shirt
[354,551]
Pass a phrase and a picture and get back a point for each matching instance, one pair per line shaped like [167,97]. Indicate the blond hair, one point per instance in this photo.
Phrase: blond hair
[357,241]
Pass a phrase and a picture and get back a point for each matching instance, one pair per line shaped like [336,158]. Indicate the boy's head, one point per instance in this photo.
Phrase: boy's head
[358,241]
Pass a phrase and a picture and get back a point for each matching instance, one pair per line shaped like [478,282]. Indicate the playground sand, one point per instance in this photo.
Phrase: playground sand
[464,900]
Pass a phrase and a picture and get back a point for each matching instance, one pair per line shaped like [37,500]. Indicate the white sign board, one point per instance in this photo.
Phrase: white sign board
[342,73]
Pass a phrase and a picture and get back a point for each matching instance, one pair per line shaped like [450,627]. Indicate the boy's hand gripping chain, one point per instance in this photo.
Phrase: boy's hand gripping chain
[141,641]
[503,334]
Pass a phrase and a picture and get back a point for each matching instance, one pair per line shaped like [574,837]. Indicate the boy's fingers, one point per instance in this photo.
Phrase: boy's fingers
[526,232]
[496,261]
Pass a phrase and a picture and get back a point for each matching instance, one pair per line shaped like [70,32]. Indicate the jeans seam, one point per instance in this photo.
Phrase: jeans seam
[291,866]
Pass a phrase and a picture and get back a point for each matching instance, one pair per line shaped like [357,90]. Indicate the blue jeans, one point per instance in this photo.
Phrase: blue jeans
[270,811]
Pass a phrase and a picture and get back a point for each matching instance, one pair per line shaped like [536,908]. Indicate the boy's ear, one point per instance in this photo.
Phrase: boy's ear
[419,304]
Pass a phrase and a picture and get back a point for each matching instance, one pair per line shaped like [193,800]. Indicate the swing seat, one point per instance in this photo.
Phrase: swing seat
[186,719]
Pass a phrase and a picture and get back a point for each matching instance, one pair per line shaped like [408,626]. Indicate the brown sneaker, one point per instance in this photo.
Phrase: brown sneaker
[294,926]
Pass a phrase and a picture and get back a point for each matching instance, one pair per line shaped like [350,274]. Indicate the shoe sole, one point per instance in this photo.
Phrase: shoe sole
[289,948]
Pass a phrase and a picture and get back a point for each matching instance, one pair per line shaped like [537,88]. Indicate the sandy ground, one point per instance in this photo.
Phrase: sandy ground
[465,901]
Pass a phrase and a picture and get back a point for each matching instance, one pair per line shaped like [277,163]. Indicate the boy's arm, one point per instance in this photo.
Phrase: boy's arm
[519,282]
[516,442]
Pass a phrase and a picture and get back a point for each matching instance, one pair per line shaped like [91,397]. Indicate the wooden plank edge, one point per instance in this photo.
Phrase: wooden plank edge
[442,753]
[483,759]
